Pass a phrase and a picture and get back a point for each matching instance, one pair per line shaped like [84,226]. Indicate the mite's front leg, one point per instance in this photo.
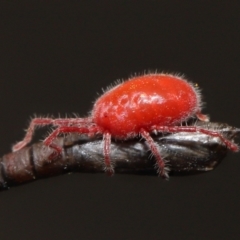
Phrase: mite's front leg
[30,131]
[49,141]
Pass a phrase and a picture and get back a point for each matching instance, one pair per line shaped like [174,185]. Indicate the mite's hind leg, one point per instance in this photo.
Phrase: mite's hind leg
[171,129]
[106,152]
[162,169]
[202,117]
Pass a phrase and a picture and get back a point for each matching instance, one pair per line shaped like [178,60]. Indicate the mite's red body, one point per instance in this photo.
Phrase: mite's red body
[139,106]
[143,102]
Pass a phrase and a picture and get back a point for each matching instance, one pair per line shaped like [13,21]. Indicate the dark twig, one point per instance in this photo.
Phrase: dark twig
[183,152]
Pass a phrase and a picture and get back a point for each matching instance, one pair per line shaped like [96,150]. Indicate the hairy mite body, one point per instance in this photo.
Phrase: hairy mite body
[139,106]
[146,101]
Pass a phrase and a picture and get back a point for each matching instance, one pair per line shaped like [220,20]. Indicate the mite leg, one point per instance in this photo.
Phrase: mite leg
[163,170]
[81,130]
[171,129]
[106,151]
[202,117]
[29,133]
[47,121]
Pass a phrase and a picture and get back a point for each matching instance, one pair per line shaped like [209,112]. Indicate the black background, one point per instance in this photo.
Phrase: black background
[56,55]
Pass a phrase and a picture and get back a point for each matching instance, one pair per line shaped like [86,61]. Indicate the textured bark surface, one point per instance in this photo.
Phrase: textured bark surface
[183,153]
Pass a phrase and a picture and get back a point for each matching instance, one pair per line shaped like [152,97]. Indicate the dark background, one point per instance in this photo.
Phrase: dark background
[54,58]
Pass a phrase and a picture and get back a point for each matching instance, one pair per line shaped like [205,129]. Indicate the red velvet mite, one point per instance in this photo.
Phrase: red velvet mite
[139,106]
